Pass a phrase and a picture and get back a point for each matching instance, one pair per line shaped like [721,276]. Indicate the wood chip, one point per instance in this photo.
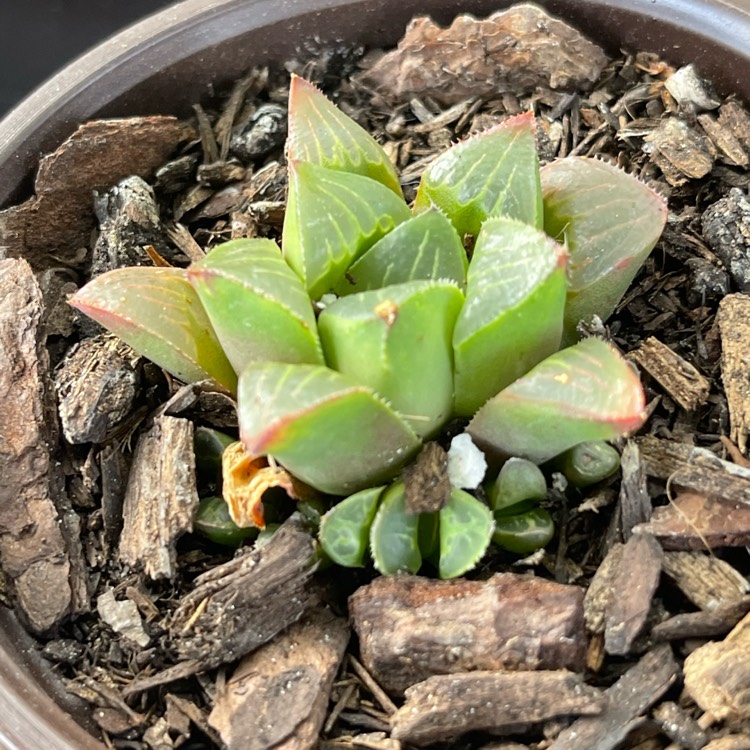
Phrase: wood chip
[427,485]
[634,501]
[278,696]
[702,624]
[724,140]
[601,590]
[735,118]
[730,742]
[726,229]
[695,469]
[45,565]
[679,379]
[96,384]
[634,585]
[240,605]
[734,326]
[694,521]
[717,675]
[627,701]
[680,726]
[58,220]
[706,580]
[410,628]
[444,707]
[682,147]
[123,617]
[516,50]
[129,223]
[161,497]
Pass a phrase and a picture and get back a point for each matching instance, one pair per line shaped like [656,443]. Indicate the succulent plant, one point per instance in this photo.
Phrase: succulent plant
[370,329]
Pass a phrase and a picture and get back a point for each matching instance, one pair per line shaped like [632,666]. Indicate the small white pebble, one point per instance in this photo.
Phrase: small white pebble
[326,300]
[466,463]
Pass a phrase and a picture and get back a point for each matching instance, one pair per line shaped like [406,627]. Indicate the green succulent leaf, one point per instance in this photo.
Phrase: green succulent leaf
[519,485]
[609,221]
[466,526]
[158,313]
[320,133]
[394,536]
[524,533]
[588,463]
[334,434]
[212,520]
[494,173]
[397,341]
[257,304]
[512,319]
[424,247]
[585,392]
[209,445]
[345,529]
[331,219]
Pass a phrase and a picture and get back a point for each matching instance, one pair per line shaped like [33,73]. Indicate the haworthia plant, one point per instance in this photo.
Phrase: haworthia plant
[371,328]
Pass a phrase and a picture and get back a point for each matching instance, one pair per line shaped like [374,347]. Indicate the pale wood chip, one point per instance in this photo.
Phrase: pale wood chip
[680,379]
[734,326]
[161,497]
[709,582]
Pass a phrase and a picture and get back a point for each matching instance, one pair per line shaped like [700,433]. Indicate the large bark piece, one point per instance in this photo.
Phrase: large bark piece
[58,220]
[445,707]
[411,628]
[708,581]
[237,607]
[628,699]
[634,586]
[278,696]
[694,521]
[518,50]
[161,497]
[33,545]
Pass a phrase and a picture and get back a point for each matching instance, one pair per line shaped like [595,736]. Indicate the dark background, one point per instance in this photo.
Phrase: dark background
[38,37]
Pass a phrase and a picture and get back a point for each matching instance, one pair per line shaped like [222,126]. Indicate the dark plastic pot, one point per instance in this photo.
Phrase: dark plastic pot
[171,60]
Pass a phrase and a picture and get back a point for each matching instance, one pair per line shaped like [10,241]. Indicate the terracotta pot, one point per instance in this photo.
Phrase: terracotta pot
[169,61]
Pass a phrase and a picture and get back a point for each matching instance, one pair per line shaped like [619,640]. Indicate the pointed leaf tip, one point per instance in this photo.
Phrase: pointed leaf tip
[492,173]
[320,133]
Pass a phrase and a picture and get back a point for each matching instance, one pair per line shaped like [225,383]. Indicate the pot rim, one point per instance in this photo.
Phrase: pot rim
[95,84]
[90,86]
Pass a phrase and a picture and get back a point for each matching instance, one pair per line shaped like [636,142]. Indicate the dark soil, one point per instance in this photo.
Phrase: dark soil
[154,640]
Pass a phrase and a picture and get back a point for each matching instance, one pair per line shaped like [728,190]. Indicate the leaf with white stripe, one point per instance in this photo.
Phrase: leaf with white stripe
[512,318]
[158,313]
[423,247]
[333,434]
[331,219]
[257,304]
[609,221]
[494,173]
